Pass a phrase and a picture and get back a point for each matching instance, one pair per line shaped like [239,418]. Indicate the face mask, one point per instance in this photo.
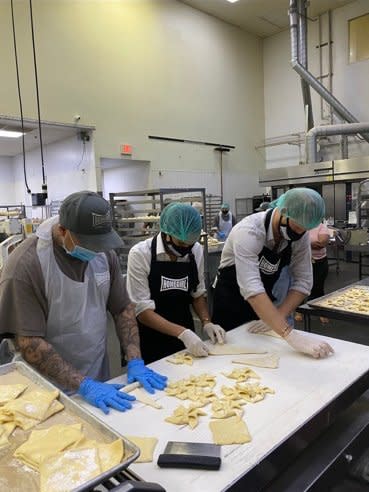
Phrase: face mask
[179,251]
[225,212]
[80,253]
[288,233]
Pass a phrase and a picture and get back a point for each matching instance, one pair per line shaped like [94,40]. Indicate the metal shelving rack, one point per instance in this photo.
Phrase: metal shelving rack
[213,203]
[136,215]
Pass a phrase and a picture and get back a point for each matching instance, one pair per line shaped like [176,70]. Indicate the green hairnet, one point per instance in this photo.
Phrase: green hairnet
[225,205]
[303,205]
[181,221]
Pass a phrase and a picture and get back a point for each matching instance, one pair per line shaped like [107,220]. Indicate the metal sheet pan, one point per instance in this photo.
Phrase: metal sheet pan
[319,302]
[131,452]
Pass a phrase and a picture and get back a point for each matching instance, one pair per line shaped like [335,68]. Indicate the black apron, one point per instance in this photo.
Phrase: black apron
[230,309]
[170,285]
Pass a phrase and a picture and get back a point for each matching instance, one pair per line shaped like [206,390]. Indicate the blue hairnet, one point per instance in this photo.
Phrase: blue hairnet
[303,205]
[181,221]
[225,205]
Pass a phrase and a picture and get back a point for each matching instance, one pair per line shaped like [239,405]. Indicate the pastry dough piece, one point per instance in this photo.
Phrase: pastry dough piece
[29,409]
[230,431]
[253,392]
[182,358]
[66,471]
[147,446]
[10,392]
[270,361]
[223,408]
[46,442]
[5,431]
[110,454]
[229,349]
[142,397]
[242,374]
[183,415]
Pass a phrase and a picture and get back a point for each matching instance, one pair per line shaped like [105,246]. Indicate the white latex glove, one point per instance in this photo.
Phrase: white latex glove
[193,343]
[309,344]
[215,332]
[257,326]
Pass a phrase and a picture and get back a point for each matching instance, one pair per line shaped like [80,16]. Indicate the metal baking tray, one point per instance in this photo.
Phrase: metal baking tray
[82,414]
[318,302]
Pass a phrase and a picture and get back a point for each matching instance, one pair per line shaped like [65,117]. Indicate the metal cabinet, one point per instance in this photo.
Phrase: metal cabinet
[136,215]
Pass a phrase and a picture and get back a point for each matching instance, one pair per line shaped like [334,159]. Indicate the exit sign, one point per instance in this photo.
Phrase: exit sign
[126,149]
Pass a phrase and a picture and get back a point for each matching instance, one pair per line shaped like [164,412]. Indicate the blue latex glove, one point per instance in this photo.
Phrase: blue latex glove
[149,379]
[105,395]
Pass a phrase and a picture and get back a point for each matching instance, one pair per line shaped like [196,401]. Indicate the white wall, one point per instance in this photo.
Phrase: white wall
[284,113]
[6,181]
[138,67]
[66,171]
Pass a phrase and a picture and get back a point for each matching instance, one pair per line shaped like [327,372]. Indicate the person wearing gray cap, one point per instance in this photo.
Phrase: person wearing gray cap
[55,293]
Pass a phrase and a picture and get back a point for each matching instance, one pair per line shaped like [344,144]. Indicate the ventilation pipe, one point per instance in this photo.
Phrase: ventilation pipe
[302,58]
[339,109]
[327,130]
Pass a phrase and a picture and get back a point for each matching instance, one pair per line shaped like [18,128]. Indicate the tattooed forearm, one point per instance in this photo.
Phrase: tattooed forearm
[127,331]
[42,356]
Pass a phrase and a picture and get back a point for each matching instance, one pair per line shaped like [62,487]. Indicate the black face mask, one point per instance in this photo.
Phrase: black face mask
[288,233]
[179,251]
[225,212]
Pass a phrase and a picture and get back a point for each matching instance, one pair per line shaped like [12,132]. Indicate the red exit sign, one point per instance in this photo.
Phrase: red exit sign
[126,149]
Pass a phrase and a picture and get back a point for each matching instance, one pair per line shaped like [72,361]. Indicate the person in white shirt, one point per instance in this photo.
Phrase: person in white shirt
[165,276]
[254,255]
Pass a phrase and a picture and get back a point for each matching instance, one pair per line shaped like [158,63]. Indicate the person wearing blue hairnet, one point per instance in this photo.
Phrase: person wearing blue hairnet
[257,250]
[165,276]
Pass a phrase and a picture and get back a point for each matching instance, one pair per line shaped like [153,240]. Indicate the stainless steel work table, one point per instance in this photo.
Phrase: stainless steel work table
[309,394]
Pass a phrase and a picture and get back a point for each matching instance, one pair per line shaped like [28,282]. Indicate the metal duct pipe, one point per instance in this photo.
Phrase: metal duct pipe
[302,58]
[309,78]
[324,131]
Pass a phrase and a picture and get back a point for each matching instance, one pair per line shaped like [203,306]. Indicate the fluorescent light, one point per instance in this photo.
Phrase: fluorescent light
[232,1]
[10,134]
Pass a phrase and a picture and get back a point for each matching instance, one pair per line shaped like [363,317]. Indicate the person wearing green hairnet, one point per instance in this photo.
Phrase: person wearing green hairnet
[259,248]
[223,222]
[165,276]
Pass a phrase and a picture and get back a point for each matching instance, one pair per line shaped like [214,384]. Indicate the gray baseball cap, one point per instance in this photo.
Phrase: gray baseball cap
[89,217]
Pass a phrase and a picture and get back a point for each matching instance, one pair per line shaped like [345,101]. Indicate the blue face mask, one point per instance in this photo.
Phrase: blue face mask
[80,253]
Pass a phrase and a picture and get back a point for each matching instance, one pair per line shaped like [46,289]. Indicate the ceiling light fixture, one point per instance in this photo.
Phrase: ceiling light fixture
[10,134]
[232,1]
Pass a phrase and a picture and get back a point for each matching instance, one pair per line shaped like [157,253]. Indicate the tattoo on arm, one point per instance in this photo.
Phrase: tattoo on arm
[43,357]
[127,331]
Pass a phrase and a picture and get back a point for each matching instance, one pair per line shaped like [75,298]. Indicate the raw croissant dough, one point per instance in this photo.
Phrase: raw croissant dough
[66,470]
[230,431]
[147,447]
[229,349]
[9,392]
[183,415]
[268,360]
[182,358]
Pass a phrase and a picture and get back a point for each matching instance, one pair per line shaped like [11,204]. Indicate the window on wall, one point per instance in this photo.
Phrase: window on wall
[359,38]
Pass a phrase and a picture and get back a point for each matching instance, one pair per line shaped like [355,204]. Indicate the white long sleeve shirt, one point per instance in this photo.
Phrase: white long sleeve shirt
[242,248]
[138,270]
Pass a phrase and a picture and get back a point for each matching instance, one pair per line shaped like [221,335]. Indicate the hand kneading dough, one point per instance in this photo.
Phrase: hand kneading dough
[230,431]
[229,349]
[10,392]
[44,443]
[146,445]
[270,361]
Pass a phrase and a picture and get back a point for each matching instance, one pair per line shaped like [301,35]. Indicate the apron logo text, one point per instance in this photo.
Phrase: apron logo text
[268,268]
[174,284]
